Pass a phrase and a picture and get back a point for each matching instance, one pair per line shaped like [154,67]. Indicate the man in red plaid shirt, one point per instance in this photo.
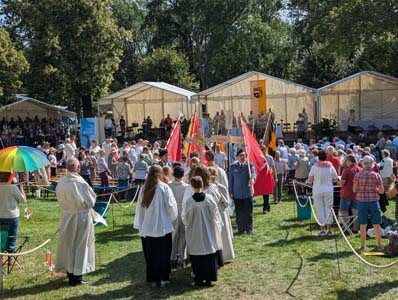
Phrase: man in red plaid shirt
[367,186]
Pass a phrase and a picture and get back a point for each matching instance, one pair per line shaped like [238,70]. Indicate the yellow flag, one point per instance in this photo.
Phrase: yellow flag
[258,94]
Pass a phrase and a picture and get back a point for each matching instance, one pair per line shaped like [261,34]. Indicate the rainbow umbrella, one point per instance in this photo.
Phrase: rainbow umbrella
[22,159]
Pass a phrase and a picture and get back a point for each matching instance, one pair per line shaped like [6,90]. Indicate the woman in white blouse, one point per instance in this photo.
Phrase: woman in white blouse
[156,210]
[322,176]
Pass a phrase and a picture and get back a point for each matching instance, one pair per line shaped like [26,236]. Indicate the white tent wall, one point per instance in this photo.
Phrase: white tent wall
[32,108]
[154,99]
[373,96]
[286,99]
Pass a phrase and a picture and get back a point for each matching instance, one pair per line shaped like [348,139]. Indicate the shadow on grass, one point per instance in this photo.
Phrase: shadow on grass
[132,268]
[36,289]
[121,233]
[300,239]
[296,225]
[367,292]
[329,256]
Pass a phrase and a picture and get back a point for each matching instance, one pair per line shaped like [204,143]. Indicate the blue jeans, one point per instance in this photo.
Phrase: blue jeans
[12,233]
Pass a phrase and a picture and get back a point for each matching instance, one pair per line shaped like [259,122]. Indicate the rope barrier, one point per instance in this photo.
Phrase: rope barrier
[355,252]
[132,201]
[316,218]
[31,250]
[295,192]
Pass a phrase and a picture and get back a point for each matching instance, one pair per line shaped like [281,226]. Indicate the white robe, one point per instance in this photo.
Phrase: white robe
[202,225]
[179,243]
[220,194]
[76,245]
[156,220]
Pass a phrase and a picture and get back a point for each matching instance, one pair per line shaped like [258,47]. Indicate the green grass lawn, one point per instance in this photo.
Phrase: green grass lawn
[267,263]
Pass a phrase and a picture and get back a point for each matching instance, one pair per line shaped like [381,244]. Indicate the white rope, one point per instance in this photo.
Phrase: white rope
[131,202]
[31,250]
[315,217]
[297,198]
[355,252]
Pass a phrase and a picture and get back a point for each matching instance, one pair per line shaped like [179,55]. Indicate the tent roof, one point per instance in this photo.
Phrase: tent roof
[141,87]
[21,99]
[242,77]
[387,78]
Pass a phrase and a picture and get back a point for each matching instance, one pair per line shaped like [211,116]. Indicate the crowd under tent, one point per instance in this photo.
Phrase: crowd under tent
[372,95]
[154,99]
[28,107]
[285,98]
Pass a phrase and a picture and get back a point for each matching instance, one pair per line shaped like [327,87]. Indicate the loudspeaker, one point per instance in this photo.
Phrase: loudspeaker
[87,106]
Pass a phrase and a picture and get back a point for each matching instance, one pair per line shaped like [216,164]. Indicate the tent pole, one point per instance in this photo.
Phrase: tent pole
[125,112]
[163,114]
[360,98]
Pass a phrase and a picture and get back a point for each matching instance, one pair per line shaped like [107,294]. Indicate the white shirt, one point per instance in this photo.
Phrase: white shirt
[157,219]
[323,178]
[95,149]
[10,198]
[138,149]
[70,152]
[108,123]
[283,152]
[386,167]
[132,155]
[220,159]
[202,225]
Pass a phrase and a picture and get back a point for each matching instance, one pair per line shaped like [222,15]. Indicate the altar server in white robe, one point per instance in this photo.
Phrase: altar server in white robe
[203,172]
[203,232]
[76,245]
[154,216]
[179,244]
[222,177]
[226,233]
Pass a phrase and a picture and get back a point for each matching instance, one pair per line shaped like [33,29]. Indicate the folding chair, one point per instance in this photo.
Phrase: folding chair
[346,225]
[11,261]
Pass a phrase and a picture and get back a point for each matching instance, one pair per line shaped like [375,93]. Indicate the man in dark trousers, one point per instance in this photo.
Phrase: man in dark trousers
[241,191]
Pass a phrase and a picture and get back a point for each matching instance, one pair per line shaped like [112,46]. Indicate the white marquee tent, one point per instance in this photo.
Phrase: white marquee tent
[29,107]
[372,95]
[154,99]
[285,98]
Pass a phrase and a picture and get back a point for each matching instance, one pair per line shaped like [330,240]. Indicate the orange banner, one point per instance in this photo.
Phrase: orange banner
[258,94]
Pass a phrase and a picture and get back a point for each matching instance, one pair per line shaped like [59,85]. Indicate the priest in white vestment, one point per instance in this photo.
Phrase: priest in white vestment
[75,246]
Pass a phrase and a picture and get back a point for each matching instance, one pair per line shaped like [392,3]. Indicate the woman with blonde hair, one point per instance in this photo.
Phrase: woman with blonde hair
[155,212]
[194,163]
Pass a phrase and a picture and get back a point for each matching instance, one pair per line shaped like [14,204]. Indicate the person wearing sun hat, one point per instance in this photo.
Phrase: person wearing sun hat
[164,158]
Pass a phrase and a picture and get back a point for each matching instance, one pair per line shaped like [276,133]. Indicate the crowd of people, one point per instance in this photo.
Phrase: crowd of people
[33,132]
[183,208]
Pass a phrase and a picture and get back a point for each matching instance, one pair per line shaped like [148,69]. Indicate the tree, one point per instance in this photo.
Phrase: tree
[12,65]
[166,65]
[73,47]
[130,15]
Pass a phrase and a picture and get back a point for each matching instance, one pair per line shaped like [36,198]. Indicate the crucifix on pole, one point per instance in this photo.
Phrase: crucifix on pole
[200,140]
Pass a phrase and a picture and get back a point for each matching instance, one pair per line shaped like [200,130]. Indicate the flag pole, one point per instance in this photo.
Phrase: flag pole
[247,157]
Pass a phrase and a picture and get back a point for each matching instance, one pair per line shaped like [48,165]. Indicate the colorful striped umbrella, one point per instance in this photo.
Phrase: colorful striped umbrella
[22,159]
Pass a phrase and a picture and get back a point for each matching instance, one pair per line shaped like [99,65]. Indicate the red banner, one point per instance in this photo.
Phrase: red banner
[264,183]
[174,144]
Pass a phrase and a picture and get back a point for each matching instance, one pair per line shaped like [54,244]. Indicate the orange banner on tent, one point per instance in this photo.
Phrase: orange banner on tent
[258,95]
